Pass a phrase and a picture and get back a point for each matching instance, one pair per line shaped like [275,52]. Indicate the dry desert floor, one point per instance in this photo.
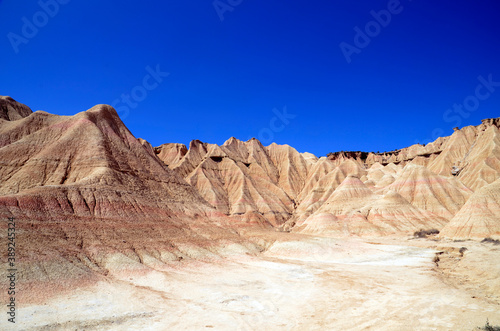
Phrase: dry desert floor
[297,283]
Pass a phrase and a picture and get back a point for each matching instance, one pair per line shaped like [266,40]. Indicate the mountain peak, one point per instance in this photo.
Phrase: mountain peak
[11,110]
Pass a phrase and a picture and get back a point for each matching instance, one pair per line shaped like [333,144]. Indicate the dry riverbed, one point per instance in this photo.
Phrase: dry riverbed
[307,284]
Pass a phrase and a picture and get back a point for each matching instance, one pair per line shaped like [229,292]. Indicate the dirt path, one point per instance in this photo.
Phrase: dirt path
[311,284]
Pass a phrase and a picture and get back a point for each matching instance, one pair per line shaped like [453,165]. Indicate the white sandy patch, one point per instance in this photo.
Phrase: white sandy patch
[314,284]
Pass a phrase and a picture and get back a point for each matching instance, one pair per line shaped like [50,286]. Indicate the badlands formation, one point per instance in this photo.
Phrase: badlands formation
[352,193]
[113,233]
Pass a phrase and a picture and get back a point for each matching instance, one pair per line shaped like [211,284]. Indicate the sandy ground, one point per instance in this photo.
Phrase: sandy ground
[307,284]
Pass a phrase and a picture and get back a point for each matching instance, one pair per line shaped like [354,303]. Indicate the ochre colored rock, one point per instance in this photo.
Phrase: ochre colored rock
[479,217]
[89,166]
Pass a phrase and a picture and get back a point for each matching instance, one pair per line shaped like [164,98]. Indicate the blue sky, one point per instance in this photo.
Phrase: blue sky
[235,77]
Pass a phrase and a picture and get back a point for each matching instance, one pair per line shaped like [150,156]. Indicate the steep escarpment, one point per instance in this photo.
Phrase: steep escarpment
[414,153]
[470,154]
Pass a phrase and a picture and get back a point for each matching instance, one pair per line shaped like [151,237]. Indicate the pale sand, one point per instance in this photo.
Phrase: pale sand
[311,284]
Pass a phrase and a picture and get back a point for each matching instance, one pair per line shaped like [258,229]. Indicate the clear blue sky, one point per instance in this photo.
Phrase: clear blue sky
[226,76]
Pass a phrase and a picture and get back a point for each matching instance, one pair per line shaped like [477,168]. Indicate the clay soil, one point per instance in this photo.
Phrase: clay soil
[297,283]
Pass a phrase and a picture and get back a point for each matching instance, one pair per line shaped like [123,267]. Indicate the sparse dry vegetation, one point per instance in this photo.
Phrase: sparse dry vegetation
[489,327]
[436,259]
[425,233]
[491,240]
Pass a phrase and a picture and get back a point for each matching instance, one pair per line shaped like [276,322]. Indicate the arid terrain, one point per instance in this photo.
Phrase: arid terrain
[115,234]
[301,283]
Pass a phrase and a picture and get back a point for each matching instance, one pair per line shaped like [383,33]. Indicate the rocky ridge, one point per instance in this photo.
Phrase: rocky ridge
[280,187]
